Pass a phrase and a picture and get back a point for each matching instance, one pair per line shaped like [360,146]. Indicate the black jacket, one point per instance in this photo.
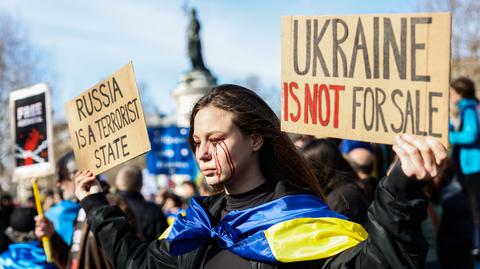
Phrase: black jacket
[149,217]
[349,200]
[5,213]
[395,239]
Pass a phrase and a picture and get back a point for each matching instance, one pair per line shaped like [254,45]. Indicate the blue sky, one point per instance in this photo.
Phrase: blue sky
[86,41]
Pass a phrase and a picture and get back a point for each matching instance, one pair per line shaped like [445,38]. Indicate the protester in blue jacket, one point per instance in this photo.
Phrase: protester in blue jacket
[465,139]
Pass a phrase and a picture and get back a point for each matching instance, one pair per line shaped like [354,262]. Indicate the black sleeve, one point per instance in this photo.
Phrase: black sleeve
[350,201]
[119,240]
[395,239]
[4,240]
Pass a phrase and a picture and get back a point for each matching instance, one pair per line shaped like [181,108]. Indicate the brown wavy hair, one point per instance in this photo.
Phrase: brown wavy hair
[465,87]
[279,159]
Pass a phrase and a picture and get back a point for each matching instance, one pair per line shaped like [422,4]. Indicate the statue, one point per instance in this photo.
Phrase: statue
[194,44]
[196,82]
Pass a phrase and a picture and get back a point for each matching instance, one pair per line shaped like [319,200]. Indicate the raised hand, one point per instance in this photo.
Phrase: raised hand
[86,184]
[421,158]
[43,227]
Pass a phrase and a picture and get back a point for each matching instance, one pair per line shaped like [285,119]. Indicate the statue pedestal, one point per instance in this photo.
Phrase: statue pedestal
[192,86]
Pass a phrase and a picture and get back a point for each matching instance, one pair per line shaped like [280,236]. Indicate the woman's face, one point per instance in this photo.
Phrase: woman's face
[454,97]
[222,152]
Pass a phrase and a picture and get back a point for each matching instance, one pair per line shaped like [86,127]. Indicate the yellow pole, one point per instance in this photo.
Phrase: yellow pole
[45,240]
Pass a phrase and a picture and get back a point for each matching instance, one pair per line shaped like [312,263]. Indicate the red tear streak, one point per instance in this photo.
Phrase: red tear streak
[218,166]
[228,156]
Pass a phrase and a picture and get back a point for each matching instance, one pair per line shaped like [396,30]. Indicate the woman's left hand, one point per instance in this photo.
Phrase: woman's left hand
[86,184]
[421,158]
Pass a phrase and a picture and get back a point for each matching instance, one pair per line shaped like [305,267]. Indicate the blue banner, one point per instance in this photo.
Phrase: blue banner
[170,152]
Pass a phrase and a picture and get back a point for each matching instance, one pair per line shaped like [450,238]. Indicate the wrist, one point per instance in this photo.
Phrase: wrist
[403,186]
[90,202]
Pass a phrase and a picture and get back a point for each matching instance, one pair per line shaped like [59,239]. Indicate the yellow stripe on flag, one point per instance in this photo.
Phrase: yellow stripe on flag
[305,239]
[165,233]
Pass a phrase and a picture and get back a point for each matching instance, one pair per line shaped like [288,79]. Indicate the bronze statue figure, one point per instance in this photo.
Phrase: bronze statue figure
[194,44]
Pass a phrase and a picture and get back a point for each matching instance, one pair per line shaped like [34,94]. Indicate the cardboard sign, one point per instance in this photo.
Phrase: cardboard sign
[32,133]
[366,77]
[106,123]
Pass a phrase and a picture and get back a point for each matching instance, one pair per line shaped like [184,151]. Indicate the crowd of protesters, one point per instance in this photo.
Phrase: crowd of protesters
[349,175]
[73,245]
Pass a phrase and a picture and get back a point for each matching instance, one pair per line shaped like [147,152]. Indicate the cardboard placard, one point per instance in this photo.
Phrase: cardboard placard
[32,133]
[366,77]
[106,123]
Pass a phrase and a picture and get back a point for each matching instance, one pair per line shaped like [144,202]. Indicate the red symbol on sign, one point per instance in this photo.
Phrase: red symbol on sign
[31,144]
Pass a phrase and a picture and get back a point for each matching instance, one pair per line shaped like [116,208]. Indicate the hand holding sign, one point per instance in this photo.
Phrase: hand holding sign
[38,204]
[422,158]
[86,184]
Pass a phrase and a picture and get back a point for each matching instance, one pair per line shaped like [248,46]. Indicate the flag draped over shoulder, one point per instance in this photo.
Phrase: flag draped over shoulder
[289,229]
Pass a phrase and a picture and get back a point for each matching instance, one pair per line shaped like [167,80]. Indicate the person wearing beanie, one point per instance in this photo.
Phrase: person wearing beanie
[26,251]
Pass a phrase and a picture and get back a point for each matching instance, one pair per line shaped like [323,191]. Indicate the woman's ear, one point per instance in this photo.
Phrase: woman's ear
[257,142]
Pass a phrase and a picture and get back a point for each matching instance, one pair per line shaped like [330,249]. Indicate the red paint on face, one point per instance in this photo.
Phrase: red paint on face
[228,157]
[218,166]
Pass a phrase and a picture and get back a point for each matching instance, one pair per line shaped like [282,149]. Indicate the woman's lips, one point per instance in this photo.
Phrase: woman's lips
[209,172]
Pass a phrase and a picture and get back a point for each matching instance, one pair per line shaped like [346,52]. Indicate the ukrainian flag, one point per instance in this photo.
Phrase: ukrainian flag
[289,229]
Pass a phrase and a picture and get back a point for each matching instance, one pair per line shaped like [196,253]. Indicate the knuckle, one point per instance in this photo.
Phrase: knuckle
[420,145]
[413,152]
[425,150]
[400,152]
[409,150]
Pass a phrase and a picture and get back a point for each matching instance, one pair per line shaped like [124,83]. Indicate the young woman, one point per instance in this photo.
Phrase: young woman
[270,214]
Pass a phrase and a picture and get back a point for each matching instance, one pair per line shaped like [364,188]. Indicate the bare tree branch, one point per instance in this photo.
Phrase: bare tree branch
[465,36]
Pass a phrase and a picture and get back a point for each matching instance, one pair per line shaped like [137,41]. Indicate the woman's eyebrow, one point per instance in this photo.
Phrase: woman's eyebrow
[208,134]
